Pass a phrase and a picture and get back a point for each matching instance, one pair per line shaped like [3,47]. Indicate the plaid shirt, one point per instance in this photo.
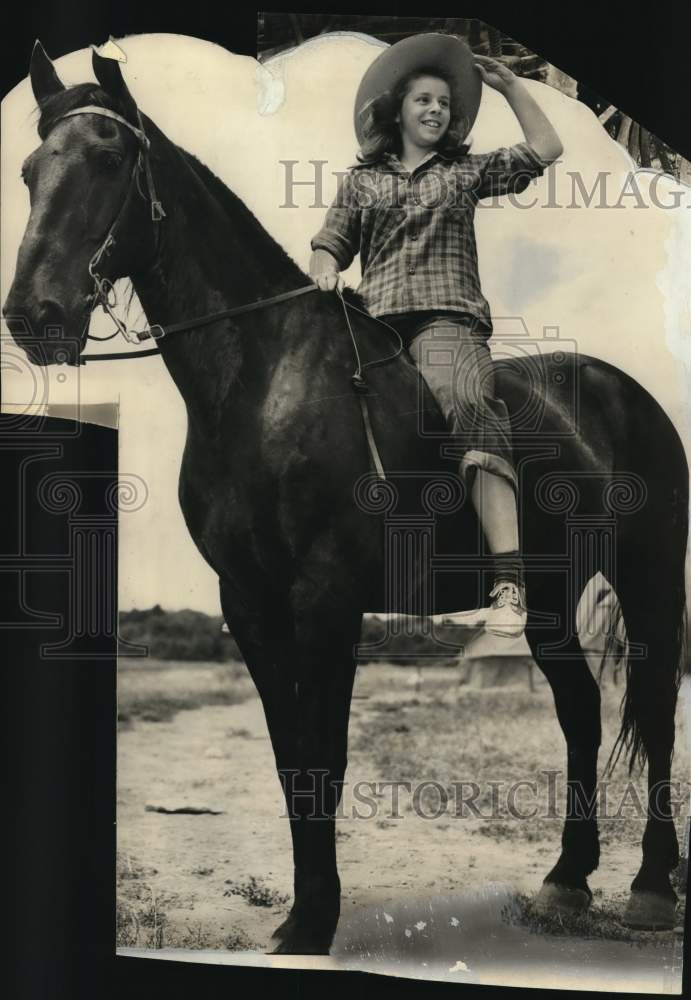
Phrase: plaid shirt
[415,231]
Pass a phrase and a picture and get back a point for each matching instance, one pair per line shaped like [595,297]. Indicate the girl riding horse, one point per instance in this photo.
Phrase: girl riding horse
[267,474]
[408,208]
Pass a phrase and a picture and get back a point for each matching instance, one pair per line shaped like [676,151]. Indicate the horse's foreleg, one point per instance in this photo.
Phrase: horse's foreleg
[305,685]
[312,775]
[265,641]
[577,701]
[266,644]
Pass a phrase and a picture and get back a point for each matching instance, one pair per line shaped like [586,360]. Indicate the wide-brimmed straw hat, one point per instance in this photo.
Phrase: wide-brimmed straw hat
[447,53]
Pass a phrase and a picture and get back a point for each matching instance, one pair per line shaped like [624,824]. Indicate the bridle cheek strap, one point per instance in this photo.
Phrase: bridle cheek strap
[104,291]
[157,213]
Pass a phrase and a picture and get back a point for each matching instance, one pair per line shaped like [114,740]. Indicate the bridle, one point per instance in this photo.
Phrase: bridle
[104,292]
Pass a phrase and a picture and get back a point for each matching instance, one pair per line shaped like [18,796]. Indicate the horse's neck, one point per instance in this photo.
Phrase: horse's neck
[208,261]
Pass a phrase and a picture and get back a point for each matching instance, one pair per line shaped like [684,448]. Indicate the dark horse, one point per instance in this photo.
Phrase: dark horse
[277,496]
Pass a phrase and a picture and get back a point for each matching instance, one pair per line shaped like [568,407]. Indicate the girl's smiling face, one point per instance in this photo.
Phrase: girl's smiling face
[425,112]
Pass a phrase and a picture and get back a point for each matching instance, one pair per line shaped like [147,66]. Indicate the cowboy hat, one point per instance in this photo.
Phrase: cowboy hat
[447,53]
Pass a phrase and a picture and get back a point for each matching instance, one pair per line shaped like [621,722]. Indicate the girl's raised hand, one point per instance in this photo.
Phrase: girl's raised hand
[494,73]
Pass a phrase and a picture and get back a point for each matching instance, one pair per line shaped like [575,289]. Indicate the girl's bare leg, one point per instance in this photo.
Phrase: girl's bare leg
[495,502]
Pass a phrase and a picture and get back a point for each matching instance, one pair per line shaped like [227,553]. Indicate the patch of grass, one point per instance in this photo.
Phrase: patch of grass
[127,929]
[143,928]
[393,706]
[495,738]
[197,936]
[256,892]
[141,920]
[157,690]
[136,666]
[162,708]
[127,867]
[497,830]
[680,876]
[237,940]
[151,929]
[597,922]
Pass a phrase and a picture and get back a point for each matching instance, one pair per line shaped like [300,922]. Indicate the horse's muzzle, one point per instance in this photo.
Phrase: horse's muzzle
[41,332]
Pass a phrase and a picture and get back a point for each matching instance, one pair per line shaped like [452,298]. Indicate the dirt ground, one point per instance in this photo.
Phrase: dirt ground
[222,879]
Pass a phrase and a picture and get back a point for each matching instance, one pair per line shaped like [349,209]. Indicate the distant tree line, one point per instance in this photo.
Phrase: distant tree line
[193,635]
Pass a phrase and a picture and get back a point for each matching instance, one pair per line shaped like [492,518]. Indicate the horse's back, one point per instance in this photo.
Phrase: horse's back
[584,412]
[598,417]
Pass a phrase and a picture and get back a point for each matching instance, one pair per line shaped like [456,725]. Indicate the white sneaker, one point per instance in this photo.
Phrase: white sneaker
[507,614]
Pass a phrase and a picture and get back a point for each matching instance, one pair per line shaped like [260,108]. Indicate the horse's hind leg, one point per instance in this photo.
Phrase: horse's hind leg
[577,702]
[654,620]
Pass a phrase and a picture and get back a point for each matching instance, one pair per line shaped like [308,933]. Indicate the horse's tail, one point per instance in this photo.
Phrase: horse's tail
[652,608]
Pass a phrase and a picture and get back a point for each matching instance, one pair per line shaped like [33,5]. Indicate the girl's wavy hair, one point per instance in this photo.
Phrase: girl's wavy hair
[382,133]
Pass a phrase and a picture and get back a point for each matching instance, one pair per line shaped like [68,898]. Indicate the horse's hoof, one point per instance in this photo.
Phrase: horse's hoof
[284,928]
[297,942]
[554,898]
[650,911]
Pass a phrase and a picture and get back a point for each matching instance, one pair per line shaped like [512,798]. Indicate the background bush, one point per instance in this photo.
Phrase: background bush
[179,635]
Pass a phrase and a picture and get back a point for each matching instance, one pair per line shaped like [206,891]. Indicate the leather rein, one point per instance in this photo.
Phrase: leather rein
[104,291]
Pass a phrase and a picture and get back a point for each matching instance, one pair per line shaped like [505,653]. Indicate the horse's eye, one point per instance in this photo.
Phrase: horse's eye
[110,162]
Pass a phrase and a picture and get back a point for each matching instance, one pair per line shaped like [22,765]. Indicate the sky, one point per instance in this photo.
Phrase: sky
[608,281]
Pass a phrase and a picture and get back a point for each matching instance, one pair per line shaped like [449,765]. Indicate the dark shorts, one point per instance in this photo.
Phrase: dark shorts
[451,352]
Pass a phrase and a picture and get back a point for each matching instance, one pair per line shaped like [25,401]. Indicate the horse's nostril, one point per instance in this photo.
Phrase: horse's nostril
[51,317]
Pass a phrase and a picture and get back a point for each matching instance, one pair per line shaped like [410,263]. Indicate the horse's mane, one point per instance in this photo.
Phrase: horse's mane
[243,218]
[234,207]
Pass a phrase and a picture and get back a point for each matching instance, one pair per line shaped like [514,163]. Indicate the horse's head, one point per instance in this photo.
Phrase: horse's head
[87,182]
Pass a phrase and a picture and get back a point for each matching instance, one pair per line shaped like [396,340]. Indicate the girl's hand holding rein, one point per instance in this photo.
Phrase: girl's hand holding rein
[324,271]
[327,281]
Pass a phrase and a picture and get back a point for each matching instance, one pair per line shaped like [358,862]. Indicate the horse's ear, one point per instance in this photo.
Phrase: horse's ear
[109,75]
[45,82]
